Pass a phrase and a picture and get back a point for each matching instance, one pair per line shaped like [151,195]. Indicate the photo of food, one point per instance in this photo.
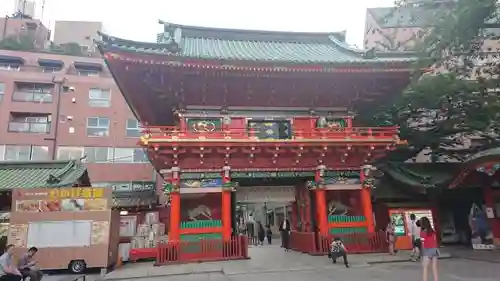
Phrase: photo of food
[72,205]
[50,206]
[100,230]
[95,204]
[28,206]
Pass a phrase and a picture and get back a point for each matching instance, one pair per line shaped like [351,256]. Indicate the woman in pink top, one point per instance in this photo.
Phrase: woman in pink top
[430,251]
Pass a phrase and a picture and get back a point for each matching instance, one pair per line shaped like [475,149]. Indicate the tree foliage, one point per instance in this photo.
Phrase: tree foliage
[22,42]
[453,108]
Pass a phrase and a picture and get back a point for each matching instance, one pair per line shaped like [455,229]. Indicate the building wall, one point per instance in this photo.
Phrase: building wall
[16,26]
[81,32]
[109,156]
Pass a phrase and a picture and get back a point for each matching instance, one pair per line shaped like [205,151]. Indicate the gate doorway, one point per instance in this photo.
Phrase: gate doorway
[269,205]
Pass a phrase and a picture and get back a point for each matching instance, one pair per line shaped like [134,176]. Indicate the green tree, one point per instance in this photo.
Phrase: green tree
[22,42]
[457,99]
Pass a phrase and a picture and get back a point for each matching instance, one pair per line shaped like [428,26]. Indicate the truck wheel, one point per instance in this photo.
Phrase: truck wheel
[77,266]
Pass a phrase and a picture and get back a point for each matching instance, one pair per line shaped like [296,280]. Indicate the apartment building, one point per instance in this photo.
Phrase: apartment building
[65,107]
[80,32]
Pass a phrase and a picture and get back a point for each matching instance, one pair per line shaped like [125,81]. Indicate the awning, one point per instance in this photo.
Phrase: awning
[11,59]
[50,63]
[88,66]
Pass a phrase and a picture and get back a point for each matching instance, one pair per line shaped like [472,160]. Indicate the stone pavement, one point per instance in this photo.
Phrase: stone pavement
[449,270]
[263,259]
[482,255]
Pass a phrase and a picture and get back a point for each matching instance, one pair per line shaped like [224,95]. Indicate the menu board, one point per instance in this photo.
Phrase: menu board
[100,231]
[18,235]
[399,224]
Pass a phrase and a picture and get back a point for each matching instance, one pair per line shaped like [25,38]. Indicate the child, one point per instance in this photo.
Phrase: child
[337,250]
[269,234]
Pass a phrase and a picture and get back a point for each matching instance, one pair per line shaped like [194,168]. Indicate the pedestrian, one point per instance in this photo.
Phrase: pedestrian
[261,234]
[430,251]
[26,265]
[8,271]
[337,250]
[390,236]
[415,238]
[285,234]
[269,234]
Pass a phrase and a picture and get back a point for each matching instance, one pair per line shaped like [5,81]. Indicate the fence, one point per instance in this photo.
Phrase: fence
[203,250]
[356,243]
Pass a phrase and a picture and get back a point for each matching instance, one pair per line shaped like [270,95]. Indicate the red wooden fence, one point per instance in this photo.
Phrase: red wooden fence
[203,250]
[356,243]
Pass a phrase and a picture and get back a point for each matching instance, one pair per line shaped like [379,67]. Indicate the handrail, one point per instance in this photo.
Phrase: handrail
[171,132]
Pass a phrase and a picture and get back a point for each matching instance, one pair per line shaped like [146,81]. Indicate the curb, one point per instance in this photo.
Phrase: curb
[165,275]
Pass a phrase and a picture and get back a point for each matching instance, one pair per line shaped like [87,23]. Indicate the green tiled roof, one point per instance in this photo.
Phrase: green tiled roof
[40,174]
[422,175]
[245,45]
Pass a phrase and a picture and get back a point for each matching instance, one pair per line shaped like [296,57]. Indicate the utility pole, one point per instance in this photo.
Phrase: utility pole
[58,89]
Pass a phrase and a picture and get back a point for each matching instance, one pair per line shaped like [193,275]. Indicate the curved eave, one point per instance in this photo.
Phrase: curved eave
[120,87]
[175,60]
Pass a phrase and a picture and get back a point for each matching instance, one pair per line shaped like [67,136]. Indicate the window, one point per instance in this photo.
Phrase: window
[89,73]
[26,153]
[129,155]
[97,126]
[9,66]
[29,124]
[133,130]
[2,90]
[99,98]
[48,69]
[71,233]
[39,93]
[98,154]
[69,153]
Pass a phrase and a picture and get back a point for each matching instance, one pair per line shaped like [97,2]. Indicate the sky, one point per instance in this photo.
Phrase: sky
[138,19]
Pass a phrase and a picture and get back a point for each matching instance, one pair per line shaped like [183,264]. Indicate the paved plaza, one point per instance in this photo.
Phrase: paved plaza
[270,263]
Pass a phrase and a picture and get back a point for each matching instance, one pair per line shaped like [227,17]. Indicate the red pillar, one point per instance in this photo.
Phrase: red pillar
[366,203]
[489,199]
[175,207]
[226,204]
[294,218]
[320,196]
[321,210]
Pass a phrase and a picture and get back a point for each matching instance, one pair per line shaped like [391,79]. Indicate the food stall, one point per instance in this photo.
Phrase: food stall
[73,228]
[401,219]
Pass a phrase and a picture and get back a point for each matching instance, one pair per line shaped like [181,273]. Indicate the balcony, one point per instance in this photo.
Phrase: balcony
[157,134]
[29,127]
[32,96]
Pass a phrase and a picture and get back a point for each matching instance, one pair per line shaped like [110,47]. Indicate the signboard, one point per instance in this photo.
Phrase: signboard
[399,224]
[72,193]
[200,176]
[264,174]
[62,200]
[18,235]
[132,186]
[343,174]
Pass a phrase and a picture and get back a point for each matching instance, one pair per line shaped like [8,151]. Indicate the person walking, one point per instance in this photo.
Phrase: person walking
[430,251]
[415,238]
[391,238]
[261,234]
[285,234]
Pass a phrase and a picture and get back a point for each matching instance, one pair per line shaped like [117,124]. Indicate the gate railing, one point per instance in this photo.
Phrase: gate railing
[203,250]
[355,243]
